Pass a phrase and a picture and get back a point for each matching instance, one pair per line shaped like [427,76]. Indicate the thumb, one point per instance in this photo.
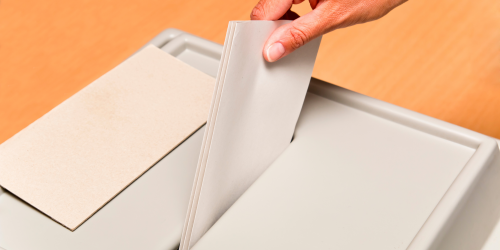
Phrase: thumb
[292,36]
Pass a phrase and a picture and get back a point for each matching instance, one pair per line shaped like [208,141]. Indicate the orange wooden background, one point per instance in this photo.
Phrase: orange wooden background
[440,58]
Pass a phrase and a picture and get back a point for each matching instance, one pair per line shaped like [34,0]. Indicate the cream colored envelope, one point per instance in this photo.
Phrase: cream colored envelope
[252,118]
[77,157]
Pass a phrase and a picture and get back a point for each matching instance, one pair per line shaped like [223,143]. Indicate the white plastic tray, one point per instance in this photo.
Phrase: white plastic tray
[433,183]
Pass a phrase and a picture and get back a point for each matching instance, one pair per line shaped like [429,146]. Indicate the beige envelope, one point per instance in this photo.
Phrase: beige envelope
[77,157]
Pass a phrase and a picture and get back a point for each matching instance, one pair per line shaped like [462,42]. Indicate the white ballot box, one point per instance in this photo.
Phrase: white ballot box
[359,174]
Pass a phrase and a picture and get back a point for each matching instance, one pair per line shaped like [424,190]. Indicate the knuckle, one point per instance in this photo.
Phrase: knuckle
[258,12]
[297,37]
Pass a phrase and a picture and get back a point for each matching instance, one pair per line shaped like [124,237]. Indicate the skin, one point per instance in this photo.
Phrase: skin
[326,16]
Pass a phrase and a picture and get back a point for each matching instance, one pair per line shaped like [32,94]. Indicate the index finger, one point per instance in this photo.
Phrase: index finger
[270,9]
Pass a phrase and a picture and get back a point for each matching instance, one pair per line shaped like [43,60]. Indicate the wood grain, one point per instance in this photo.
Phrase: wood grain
[440,58]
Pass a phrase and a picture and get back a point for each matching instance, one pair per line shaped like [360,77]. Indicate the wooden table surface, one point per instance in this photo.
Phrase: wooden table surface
[439,58]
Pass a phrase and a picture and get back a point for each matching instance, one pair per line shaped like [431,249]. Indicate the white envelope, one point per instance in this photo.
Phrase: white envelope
[253,114]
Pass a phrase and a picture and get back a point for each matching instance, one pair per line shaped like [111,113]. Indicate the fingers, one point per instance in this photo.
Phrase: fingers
[270,9]
[290,37]
[325,17]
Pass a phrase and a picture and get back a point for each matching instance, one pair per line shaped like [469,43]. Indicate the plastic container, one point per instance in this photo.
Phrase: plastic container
[402,179]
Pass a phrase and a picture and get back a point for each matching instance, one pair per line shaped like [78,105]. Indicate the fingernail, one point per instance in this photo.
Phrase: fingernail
[275,51]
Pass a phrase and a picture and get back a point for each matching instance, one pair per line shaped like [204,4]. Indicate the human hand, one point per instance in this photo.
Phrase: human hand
[326,16]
